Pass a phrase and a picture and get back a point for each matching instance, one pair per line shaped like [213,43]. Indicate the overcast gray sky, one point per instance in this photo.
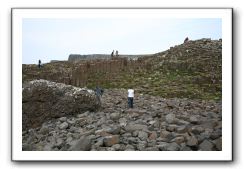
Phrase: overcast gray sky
[55,39]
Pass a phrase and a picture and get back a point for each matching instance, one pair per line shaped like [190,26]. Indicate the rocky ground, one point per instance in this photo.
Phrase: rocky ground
[154,124]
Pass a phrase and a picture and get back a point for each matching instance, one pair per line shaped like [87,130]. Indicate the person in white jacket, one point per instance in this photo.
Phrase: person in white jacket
[130,98]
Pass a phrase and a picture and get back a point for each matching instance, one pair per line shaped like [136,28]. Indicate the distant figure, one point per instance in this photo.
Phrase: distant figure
[39,63]
[130,98]
[99,92]
[186,40]
[112,54]
[117,53]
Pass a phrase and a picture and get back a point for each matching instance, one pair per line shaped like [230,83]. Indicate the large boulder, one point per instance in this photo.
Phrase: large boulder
[43,100]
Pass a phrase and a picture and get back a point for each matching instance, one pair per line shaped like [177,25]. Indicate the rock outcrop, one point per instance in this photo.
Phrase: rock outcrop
[43,100]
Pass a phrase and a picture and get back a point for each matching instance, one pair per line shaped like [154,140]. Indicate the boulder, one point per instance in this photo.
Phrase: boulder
[170,118]
[133,127]
[192,141]
[142,135]
[111,140]
[83,144]
[43,100]
[206,146]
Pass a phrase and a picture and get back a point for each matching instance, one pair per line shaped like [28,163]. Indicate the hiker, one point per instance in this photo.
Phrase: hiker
[186,40]
[99,92]
[39,63]
[116,53]
[130,98]
[112,54]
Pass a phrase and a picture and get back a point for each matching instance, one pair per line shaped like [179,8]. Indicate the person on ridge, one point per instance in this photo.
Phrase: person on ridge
[39,63]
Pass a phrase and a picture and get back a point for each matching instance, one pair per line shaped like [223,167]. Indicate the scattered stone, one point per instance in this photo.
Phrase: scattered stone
[206,146]
[153,135]
[44,130]
[64,125]
[178,140]
[194,119]
[173,147]
[63,119]
[83,144]
[133,127]
[116,147]
[218,144]
[142,135]
[115,116]
[170,118]
[111,140]
[192,141]
[181,129]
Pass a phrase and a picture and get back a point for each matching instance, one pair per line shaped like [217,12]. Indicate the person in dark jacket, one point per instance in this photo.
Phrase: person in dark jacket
[99,92]
[39,63]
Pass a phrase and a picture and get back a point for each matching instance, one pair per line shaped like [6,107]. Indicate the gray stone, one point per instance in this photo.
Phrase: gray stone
[63,119]
[173,147]
[218,144]
[163,146]
[142,135]
[178,139]
[192,141]
[64,125]
[194,119]
[115,116]
[165,134]
[83,144]
[44,130]
[129,147]
[170,118]
[133,127]
[206,146]
[181,129]
[151,149]
[59,142]
[197,129]
[116,147]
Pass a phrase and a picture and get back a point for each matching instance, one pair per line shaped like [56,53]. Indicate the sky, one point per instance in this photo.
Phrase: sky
[55,39]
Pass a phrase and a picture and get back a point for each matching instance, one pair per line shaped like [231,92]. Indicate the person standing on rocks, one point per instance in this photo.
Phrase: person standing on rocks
[112,54]
[130,98]
[99,92]
[116,53]
[186,40]
[39,63]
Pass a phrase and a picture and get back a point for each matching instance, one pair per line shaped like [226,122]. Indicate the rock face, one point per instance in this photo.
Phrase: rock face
[165,126]
[43,100]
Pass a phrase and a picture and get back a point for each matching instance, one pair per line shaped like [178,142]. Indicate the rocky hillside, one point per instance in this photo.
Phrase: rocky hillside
[189,70]
[154,124]
[177,104]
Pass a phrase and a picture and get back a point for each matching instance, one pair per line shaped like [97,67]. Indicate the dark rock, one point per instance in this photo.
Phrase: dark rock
[218,144]
[43,100]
